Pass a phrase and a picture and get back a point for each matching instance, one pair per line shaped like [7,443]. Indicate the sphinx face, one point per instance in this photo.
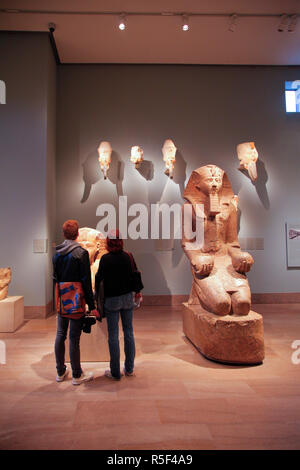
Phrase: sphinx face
[87,239]
[210,183]
[211,180]
[93,241]
[247,155]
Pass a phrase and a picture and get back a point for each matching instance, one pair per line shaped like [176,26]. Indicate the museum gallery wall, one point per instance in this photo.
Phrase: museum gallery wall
[207,111]
[27,176]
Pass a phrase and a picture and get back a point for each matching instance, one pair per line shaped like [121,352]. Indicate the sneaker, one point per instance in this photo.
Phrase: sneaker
[85,377]
[129,374]
[61,378]
[107,373]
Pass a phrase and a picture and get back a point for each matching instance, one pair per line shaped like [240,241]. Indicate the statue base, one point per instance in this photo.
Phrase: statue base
[11,313]
[94,345]
[228,339]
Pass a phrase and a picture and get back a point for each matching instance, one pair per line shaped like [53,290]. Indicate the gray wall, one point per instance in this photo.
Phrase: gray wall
[207,111]
[27,155]
[50,166]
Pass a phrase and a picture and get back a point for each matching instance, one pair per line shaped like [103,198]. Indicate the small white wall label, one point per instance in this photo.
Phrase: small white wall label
[40,246]
[2,92]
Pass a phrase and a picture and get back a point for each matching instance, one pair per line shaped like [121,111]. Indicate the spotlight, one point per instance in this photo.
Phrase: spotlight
[122,24]
[292,25]
[185,23]
[283,23]
[232,23]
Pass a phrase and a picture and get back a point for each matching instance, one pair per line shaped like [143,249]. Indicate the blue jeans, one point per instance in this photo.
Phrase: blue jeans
[74,350]
[123,305]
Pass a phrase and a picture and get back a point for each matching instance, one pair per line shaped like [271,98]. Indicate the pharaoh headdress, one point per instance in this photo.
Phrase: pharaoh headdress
[193,192]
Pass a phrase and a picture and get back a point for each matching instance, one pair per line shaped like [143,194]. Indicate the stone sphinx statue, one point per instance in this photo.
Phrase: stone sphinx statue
[5,278]
[220,287]
[219,266]
[94,242]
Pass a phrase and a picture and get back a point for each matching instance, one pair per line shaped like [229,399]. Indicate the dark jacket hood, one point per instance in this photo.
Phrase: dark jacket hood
[66,247]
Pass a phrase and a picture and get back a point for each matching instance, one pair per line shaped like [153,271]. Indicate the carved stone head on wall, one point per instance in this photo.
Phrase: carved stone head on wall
[247,155]
[104,151]
[136,155]
[169,156]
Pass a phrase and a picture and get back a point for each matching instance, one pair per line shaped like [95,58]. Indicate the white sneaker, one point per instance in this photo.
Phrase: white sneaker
[85,377]
[129,374]
[61,378]
[107,373]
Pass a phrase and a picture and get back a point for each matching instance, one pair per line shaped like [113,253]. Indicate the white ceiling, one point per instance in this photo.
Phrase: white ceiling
[94,38]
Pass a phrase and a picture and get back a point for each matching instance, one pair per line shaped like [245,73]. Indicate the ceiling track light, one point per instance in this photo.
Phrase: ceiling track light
[292,24]
[52,27]
[284,19]
[185,23]
[232,23]
[122,22]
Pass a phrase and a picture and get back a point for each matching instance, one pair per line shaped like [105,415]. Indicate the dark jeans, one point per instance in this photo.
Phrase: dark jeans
[115,306]
[74,350]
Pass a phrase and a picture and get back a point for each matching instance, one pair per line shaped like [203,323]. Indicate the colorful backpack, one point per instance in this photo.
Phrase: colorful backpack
[69,299]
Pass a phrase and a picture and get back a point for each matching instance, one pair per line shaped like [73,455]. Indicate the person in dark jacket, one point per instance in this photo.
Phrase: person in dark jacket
[115,270]
[71,267]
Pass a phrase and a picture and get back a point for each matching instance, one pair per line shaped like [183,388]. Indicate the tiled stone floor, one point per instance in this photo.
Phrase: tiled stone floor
[178,399]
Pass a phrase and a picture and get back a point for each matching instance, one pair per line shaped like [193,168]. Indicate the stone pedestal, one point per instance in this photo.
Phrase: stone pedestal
[11,313]
[229,339]
[94,345]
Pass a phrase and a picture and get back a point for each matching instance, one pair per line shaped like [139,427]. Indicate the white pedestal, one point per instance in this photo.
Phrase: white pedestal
[11,313]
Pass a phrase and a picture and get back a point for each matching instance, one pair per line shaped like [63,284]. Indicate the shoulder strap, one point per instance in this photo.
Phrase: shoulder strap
[58,289]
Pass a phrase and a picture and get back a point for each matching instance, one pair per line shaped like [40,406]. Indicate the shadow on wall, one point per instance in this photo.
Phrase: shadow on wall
[146,170]
[180,172]
[179,176]
[261,183]
[152,274]
[115,173]
[92,173]
[177,253]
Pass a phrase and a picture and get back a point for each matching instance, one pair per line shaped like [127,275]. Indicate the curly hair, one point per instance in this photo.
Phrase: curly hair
[114,242]
[70,229]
